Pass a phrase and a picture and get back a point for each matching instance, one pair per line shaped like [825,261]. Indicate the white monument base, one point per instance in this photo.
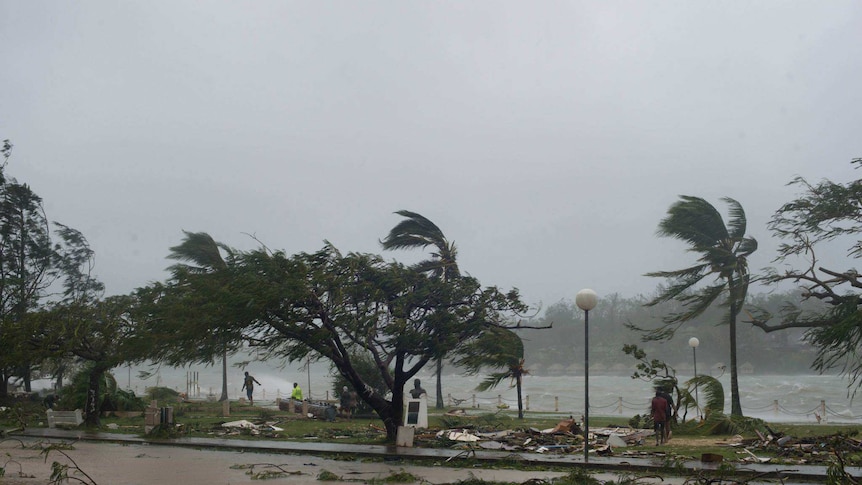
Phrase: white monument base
[416,411]
[404,437]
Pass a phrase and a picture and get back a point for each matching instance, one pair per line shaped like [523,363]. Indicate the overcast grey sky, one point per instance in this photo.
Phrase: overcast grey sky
[547,139]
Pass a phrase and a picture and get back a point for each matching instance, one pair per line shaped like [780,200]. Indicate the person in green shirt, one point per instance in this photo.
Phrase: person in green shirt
[296,393]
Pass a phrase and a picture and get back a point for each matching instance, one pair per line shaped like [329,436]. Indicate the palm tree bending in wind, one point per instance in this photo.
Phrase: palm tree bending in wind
[417,232]
[204,254]
[724,251]
[501,350]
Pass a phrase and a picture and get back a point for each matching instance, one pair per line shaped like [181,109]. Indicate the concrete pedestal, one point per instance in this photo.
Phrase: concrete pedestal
[416,412]
[404,436]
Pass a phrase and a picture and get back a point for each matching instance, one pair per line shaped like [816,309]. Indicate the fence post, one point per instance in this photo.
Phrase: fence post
[556,404]
[620,406]
[528,402]
[775,406]
[449,398]
[823,409]
[474,401]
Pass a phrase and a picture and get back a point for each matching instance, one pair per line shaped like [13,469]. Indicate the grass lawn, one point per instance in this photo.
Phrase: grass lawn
[204,419]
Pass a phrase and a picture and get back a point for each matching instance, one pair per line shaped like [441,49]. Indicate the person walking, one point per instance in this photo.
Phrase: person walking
[248,386]
[658,409]
[669,416]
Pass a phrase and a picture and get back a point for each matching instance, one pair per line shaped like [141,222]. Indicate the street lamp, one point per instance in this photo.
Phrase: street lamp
[586,300]
[693,343]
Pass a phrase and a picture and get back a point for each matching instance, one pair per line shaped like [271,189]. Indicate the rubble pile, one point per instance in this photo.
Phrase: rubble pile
[565,437]
[787,449]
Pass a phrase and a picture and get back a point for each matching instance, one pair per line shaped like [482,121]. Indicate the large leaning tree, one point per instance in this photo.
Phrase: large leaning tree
[27,272]
[188,319]
[81,326]
[326,305]
[418,232]
[723,251]
[826,215]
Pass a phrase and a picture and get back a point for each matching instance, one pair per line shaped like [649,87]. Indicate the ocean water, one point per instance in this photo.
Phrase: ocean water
[775,398]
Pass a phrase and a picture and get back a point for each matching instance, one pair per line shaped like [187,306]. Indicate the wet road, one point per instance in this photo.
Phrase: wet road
[184,461]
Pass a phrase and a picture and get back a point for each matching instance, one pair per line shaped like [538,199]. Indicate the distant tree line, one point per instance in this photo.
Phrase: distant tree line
[610,328]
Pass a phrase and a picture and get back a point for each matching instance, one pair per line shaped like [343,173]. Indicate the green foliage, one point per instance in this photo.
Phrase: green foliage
[836,471]
[724,251]
[127,401]
[60,469]
[170,431]
[826,213]
[269,472]
[364,365]
[715,422]
[452,422]
[722,424]
[396,477]
[326,305]
[26,271]
[711,393]
[162,394]
[328,476]
[74,394]
[417,232]
[659,373]
[578,476]
[498,349]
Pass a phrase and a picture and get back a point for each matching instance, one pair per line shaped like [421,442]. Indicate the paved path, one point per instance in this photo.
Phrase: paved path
[394,454]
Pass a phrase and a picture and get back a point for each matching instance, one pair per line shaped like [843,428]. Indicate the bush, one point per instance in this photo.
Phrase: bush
[162,394]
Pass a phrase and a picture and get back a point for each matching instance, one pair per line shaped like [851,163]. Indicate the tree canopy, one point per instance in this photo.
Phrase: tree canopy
[723,250]
[326,305]
[824,215]
[418,232]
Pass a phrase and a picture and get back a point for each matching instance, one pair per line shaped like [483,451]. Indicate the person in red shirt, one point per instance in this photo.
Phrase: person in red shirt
[658,409]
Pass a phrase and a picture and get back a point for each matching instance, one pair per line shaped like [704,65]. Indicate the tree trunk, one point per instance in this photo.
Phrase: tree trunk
[394,416]
[735,406]
[93,405]
[520,400]
[58,383]
[439,404]
[223,376]
[4,384]
[28,386]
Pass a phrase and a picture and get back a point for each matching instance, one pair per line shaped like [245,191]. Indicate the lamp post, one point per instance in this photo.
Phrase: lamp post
[586,300]
[693,343]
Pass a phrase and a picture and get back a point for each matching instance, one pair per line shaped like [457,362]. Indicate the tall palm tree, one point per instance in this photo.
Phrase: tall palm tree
[501,349]
[724,251]
[417,232]
[205,256]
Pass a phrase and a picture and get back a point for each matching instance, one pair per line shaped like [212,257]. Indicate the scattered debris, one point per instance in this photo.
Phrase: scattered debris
[244,424]
[754,457]
[564,438]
